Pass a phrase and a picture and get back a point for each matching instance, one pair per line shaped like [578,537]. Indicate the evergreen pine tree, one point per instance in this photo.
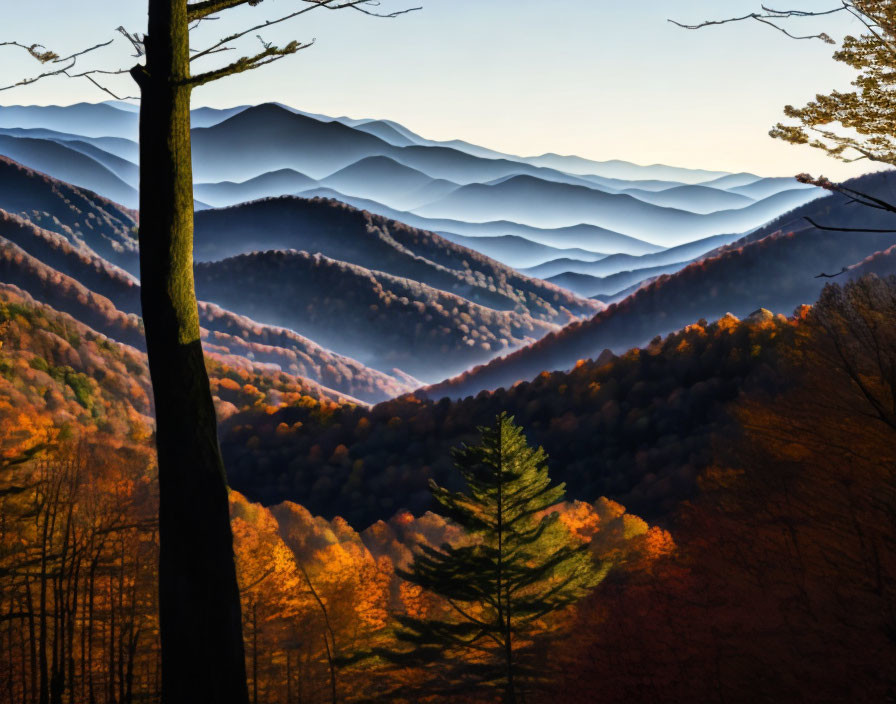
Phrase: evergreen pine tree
[514,567]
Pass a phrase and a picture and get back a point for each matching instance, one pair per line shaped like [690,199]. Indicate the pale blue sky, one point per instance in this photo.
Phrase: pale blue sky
[599,78]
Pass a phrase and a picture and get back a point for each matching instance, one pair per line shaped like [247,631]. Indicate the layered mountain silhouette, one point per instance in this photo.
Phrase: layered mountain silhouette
[451,187]
[521,253]
[68,164]
[82,217]
[273,183]
[522,199]
[611,286]
[696,198]
[358,237]
[615,263]
[777,268]
[439,300]
[588,237]
[78,282]
[443,249]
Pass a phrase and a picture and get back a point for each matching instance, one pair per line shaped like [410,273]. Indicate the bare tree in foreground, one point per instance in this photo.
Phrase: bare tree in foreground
[201,633]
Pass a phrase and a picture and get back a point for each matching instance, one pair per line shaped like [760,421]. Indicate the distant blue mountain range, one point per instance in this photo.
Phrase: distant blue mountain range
[528,211]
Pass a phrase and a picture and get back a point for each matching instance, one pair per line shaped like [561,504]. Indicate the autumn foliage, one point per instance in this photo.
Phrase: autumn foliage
[765,446]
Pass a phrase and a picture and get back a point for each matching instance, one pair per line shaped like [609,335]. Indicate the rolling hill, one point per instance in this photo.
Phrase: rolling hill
[615,263]
[611,286]
[274,183]
[71,277]
[80,216]
[382,320]
[695,198]
[68,164]
[520,253]
[587,237]
[342,232]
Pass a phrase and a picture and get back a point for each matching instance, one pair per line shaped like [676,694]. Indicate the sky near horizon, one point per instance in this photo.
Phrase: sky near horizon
[600,79]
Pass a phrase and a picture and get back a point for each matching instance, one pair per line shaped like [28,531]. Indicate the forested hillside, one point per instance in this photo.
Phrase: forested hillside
[374,242]
[383,320]
[638,428]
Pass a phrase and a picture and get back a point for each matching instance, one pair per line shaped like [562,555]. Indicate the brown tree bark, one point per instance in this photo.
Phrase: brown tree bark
[200,621]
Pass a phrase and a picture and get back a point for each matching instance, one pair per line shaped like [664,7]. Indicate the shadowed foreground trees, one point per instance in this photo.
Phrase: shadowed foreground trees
[77,577]
[784,588]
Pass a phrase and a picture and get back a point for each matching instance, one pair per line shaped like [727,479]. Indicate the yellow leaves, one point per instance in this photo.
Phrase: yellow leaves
[22,431]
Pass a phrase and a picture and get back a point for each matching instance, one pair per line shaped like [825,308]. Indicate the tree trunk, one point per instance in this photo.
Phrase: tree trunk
[199,607]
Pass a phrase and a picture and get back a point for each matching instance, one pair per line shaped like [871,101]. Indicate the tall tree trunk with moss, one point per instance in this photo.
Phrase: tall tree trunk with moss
[201,634]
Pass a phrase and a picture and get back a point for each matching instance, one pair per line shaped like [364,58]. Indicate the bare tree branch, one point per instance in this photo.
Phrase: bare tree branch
[845,229]
[247,63]
[107,90]
[41,54]
[858,197]
[312,5]
[201,10]
[135,41]
[39,77]
[769,16]
[832,276]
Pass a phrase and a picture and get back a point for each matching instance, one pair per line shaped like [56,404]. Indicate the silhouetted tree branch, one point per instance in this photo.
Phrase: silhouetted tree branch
[222,43]
[65,65]
[769,17]
[822,275]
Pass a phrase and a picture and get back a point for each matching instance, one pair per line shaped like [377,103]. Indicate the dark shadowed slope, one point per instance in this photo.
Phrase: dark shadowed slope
[68,164]
[74,260]
[80,216]
[638,428]
[342,232]
[383,320]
